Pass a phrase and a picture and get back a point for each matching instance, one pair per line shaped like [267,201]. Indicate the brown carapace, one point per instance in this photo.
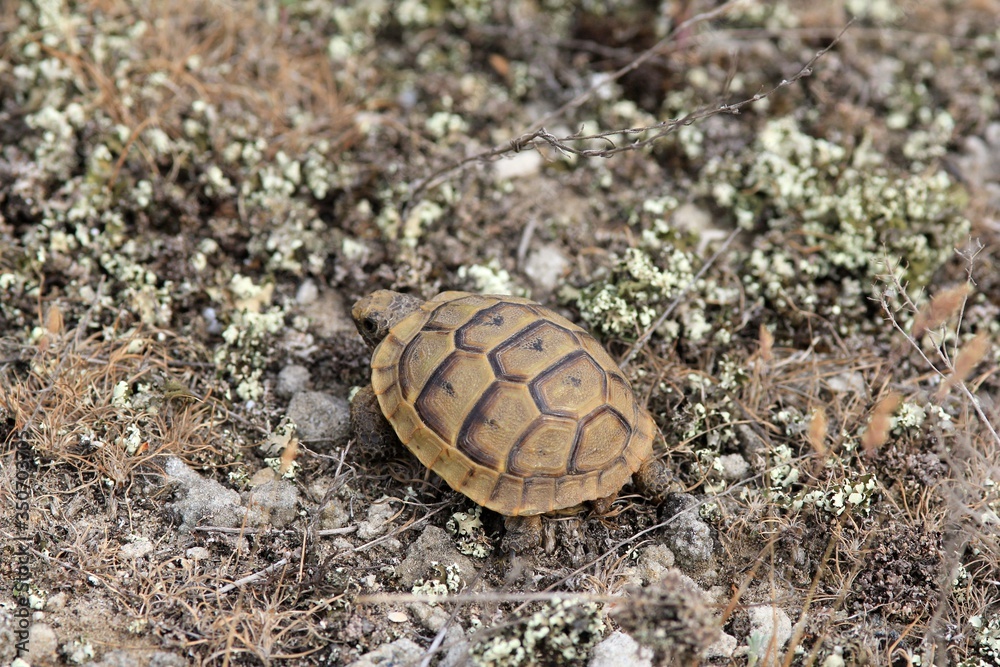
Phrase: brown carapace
[510,403]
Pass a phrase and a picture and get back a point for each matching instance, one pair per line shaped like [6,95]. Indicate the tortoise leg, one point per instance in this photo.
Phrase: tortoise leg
[371,429]
[523,533]
[602,506]
[654,480]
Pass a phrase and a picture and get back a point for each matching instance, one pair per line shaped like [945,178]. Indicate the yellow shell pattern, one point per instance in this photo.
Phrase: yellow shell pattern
[510,403]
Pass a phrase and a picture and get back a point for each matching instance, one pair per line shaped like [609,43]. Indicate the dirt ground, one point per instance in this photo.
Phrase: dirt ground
[782,218]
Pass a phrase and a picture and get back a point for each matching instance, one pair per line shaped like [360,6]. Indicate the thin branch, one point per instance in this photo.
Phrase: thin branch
[538,136]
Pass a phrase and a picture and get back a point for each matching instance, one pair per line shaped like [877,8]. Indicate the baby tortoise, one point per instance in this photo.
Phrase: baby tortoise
[510,403]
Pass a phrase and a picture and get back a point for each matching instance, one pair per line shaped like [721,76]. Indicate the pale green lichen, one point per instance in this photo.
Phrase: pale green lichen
[470,534]
[987,641]
[855,495]
[624,302]
[244,354]
[846,212]
[445,579]
[561,633]
[488,278]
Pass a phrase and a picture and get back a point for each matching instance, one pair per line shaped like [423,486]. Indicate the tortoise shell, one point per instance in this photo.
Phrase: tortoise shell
[510,403]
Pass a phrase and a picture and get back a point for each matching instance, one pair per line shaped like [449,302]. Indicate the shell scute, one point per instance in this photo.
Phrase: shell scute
[526,354]
[493,326]
[497,423]
[452,390]
[573,387]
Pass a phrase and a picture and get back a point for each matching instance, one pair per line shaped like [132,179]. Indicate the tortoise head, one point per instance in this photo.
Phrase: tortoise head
[378,312]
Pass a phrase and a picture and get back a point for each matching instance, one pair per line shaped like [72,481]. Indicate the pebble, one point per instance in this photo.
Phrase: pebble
[321,417]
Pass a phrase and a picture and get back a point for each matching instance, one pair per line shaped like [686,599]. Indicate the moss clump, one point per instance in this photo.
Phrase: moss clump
[560,633]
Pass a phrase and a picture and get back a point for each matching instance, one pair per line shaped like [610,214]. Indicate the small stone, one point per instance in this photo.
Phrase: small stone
[328,314]
[432,618]
[275,503]
[293,379]
[399,652]
[546,266]
[456,648]
[620,650]
[116,658]
[701,222]
[725,647]
[433,546]
[673,618]
[136,549]
[202,500]
[198,553]
[377,521]
[262,477]
[654,562]
[42,644]
[320,416]
[333,514]
[767,622]
[525,163]
[734,467]
[165,659]
[57,602]
[688,537]
[307,292]
[397,616]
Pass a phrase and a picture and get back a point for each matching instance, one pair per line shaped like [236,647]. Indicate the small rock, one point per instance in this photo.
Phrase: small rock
[42,644]
[333,514]
[673,618]
[320,416]
[203,500]
[198,553]
[734,467]
[546,266]
[723,648]
[137,549]
[165,659]
[688,537]
[307,292]
[767,622]
[117,658]
[377,522]
[620,650]
[328,314]
[706,227]
[292,379]
[262,477]
[525,163]
[399,652]
[275,503]
[433,545]
[397,617]
[57,602]
[654,562]
[432,618]
[456,648]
